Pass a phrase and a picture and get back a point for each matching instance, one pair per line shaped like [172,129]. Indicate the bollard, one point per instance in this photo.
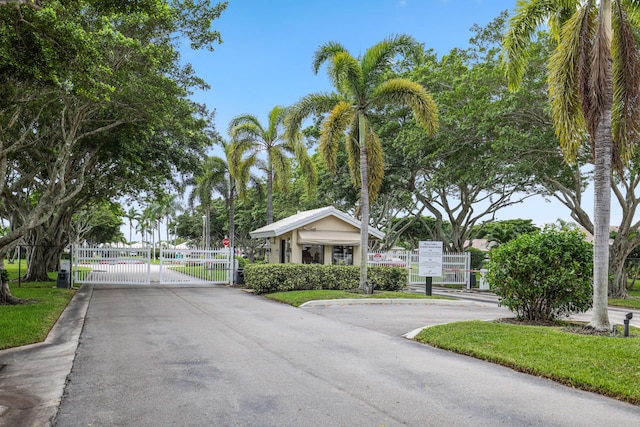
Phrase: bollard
[628,317]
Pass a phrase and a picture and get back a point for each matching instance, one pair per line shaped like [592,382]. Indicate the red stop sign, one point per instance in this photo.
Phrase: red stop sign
[225,242]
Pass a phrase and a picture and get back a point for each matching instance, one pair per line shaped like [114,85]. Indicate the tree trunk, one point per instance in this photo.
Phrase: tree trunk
[617,259]
[5,292]
[602,191]
[269,194]
[364,203]
[6,297]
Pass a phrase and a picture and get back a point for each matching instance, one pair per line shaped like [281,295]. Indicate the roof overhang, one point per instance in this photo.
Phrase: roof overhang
[346,238]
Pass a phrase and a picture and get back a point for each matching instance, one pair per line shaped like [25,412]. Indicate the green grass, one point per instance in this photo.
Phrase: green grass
[632,302]
[297,298]
[30,323]
[202,272]
[602,364]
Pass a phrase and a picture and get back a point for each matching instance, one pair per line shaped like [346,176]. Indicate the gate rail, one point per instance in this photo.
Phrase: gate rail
[135,266]
[456,266]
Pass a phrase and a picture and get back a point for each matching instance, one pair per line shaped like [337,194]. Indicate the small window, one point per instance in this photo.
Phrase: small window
[312,254]
[342,255]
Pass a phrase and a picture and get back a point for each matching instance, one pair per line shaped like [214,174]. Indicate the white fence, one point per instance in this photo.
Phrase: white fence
[456,266]
[100,265]
[111,265]
[178,266]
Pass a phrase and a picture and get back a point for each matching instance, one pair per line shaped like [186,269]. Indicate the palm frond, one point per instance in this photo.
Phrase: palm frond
[244,119]
[404,92]
[352,146]
[324,53]
[626,78]
[276,120]
[281,169]
[527,17]
[378,57]
[313,104]
[332,131]
[345,72]
[247,130]
[565,84]
[601,90]
[375,163]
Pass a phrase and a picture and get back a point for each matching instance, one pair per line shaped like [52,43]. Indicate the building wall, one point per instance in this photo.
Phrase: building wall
[330,223]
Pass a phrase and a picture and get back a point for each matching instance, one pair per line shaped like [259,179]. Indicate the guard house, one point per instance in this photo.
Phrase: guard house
[319,236]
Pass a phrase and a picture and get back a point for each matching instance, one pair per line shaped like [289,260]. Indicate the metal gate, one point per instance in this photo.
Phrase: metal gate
[456,266]
[136,266]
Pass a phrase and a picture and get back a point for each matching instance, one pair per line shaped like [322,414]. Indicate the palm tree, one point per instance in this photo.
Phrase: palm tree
[211,179]
[131,215]
[148,218]
[362,87]
[250,137]
[593,89]
[166,206]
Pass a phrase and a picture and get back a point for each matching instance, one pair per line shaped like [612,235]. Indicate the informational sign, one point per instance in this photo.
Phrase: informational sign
[430,259]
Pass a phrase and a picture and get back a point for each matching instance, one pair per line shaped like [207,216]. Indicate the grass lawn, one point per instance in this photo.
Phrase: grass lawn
[603,364]
[30,323]
[632,302]
[297,298]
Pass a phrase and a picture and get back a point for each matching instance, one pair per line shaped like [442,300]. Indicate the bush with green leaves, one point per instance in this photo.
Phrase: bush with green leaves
[543,275]
[267,278]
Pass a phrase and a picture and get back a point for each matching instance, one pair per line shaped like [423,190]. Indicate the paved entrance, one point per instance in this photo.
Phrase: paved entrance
[220,356]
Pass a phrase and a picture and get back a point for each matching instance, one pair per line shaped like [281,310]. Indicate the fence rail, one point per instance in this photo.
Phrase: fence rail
[456,266]
[135,266]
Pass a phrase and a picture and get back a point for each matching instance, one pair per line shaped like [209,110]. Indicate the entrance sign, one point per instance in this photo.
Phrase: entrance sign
[430,259]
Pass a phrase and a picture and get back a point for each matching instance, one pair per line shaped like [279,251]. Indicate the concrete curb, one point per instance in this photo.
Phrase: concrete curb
[391,301]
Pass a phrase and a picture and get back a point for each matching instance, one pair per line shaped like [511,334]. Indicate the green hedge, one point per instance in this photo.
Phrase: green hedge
[267,278]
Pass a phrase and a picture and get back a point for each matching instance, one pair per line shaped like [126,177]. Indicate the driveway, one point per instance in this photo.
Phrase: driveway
[158,356]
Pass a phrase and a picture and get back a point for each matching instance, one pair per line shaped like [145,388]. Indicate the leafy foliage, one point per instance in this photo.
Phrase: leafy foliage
[267,278]
[541,276]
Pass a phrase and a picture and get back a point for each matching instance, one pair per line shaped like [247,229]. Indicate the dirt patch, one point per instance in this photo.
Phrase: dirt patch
[573,327]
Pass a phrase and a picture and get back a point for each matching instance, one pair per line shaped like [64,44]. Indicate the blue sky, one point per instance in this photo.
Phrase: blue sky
[265,58]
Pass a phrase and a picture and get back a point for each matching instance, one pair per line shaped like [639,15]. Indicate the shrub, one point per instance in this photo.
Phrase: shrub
[267,278]
[242,262]
[477,258]
[543,275]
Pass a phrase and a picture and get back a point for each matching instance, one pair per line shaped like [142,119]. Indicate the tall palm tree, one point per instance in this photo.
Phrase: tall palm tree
[212,179]
[148,218]
[593,89]
[166,207]
[250,137]
[131,215]
[361,88]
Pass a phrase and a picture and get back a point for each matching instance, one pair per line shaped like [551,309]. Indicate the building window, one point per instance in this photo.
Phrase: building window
[342,255]
[312,254]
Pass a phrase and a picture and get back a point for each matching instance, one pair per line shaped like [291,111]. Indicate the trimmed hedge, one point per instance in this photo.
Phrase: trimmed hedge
[268,278]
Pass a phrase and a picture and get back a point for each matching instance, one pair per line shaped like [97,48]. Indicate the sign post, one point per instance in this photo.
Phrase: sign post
[429,262]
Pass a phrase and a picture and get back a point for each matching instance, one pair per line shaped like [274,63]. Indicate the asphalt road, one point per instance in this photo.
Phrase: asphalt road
[221,357]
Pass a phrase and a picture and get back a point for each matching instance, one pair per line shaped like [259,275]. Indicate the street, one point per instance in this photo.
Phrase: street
[219,356]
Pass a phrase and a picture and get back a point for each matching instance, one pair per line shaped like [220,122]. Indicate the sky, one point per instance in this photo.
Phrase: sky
[266,55]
